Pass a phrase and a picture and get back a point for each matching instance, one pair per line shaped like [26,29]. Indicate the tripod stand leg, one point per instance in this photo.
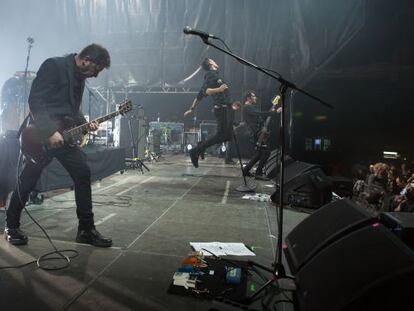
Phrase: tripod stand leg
[141,163]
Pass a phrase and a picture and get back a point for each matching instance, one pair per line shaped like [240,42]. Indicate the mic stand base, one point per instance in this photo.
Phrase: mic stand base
[248,187]
[278,280]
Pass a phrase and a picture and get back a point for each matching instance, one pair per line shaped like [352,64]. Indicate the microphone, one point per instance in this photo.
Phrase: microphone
[190,31]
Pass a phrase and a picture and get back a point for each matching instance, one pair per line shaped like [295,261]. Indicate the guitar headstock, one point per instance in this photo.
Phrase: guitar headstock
[276,100]
[125,106]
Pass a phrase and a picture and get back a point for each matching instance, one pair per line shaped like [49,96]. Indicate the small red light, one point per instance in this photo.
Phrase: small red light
[284,246]
[376,225]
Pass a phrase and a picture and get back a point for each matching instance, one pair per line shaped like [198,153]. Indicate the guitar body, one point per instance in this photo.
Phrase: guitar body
[32,146]
[35,149]
[265,133]
[263,138]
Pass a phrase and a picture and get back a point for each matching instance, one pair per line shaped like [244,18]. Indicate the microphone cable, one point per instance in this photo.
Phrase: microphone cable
[48,256]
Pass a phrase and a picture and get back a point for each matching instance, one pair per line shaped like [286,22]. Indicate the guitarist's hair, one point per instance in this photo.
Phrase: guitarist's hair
[97,54]
[248,94]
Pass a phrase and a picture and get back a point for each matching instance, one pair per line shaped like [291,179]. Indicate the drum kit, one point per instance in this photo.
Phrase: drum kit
[14,107]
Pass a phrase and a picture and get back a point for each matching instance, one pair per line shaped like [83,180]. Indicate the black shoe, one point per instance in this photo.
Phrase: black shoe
[194,157]
[15,236]
[229,161]
[93,237]
[202,154]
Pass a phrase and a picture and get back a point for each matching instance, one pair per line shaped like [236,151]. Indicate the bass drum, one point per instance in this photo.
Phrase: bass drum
[14,107]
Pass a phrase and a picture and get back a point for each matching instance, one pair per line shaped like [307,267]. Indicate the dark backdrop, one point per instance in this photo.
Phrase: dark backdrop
[355,54]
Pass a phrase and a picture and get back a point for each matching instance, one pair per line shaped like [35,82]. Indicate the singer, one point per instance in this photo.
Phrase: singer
[215,87]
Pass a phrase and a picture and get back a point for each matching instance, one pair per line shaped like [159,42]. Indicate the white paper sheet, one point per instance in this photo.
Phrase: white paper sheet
[222,248]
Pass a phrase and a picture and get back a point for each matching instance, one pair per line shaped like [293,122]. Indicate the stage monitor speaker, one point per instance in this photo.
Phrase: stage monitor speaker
[305,185]
[272,165]
[297,168]
[322,228]
[402,224]
[368,269]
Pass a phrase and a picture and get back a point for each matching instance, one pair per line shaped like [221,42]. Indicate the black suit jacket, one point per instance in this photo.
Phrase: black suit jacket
[52,94]
[213,80]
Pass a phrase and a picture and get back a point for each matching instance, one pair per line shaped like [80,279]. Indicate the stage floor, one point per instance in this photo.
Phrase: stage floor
[151,218]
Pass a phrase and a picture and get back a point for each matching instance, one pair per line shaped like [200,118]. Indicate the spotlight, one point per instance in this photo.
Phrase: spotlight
[223,148]
[188,147]
[390,155]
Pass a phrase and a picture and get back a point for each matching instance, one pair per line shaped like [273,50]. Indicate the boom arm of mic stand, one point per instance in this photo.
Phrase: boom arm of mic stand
[284,86]
[277,77]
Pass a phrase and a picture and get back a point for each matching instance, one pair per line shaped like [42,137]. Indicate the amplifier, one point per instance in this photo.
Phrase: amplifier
[171,135]
[191,138]
[208,129]
[130,132]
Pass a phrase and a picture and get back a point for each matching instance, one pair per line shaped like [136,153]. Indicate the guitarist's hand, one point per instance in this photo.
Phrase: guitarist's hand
[56,140]
[93,126]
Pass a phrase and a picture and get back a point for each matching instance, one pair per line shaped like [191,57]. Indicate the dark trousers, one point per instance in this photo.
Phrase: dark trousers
[229,150]
[261,155]
[224,118]
[74,161]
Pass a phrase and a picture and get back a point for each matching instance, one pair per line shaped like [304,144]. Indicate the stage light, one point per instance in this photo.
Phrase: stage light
[188,147]
[320,118]
[223,148]
[390,155]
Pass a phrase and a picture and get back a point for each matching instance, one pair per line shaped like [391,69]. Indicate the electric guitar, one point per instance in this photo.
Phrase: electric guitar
[265,133]
[36,149]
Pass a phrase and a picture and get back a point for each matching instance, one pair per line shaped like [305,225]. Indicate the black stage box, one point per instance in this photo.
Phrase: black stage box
[102,161]
[368,269]
[402,224]
[305,185]
[322,228]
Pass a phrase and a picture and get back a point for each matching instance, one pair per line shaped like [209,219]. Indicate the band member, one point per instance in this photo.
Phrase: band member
[254,119]
[56,93]
[215,87]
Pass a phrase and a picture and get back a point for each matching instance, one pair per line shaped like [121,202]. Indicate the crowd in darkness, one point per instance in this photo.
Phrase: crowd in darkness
[385,187]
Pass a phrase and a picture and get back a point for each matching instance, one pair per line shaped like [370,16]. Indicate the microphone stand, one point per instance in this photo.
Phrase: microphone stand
[278,270]
[30,42]
[90,95]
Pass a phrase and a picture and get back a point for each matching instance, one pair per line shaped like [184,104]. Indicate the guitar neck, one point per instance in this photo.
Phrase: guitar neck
[275,101]
[81,129]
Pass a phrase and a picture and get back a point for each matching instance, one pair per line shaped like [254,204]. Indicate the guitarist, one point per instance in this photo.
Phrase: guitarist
[254,119]
[56,94]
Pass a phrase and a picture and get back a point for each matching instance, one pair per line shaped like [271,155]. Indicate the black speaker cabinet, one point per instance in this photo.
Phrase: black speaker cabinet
[305,185]
[130,133]
[322,228]
[401,224]
[368,269]
[272,165]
